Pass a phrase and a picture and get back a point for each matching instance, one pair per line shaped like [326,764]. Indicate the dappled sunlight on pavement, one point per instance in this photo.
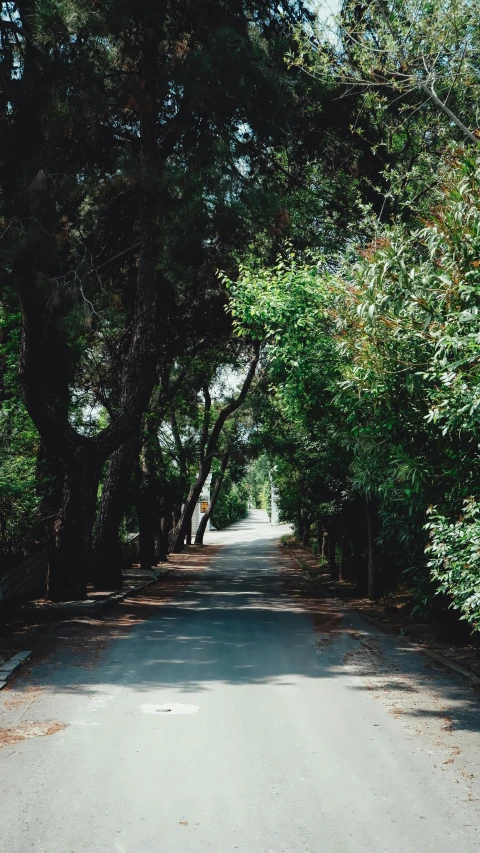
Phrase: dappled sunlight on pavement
[228,695]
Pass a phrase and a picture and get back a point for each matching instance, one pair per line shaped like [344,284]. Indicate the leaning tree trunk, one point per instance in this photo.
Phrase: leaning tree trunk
[105,563]
[209,446]
[373,551]
[213,497]
[187,514]
[71,539]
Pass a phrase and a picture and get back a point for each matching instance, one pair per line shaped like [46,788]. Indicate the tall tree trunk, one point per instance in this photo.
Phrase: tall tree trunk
[373,551]
[161,541]
[188,510]
[299,526]
[332,551]
[306,528]
[50,479]
[325,544]
[82,457]
[70,543]
[213,497]
[345,548]
[105,562]
[145,504]
[357,531]
[359,566]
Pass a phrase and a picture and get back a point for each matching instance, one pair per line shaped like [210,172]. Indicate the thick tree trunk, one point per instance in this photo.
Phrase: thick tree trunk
[70,542]
[373,551]
[161,541]
[105,563]
[213,497]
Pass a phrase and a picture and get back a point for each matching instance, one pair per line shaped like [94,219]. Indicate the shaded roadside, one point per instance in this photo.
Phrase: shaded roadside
[82,638]
[391,613]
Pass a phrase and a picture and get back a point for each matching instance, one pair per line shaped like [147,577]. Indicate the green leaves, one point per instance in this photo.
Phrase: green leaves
[454,559]
[374,369]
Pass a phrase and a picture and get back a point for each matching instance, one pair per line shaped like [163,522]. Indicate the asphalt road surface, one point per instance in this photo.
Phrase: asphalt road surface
[235,718]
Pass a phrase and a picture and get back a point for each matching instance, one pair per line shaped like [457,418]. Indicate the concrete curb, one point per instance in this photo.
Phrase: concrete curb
[10,666]
[450,664]
[415,646]
[52,612]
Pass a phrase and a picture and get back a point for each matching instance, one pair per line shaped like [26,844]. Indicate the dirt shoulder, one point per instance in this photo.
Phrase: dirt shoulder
[392,613]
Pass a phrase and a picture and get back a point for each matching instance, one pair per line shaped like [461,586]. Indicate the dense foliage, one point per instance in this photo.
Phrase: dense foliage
[232,503]
[373,365]
[322,185]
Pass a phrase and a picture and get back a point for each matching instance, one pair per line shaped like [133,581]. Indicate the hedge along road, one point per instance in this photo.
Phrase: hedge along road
[240,716]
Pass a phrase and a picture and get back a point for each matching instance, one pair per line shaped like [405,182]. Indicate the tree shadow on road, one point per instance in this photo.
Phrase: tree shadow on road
[253,624]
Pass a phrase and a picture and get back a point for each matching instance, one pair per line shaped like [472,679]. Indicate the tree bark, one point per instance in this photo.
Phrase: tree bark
[373,551]
[306,528]
[299,526]
[105,563]
[345,549]
[332,551]
[161,541]
[71,535]
[325,544]
[213,497]
[82,457]
[105,566]
[145,501]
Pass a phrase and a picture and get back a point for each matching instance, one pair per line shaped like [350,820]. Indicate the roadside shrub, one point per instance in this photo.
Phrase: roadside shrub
[454,560]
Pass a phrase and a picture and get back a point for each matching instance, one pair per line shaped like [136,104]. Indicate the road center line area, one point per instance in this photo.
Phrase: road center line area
[234,714]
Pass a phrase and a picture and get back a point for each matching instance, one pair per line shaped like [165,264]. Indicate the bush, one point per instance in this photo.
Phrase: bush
[454,560]
[232,503]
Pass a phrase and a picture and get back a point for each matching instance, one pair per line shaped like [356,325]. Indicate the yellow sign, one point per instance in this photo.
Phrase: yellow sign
[203,506]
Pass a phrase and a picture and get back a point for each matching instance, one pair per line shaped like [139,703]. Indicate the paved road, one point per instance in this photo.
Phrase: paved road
[234,719]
